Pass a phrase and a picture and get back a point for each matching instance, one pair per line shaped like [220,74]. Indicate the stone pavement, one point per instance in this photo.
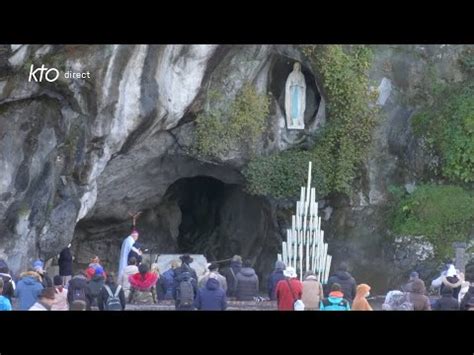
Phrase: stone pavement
[231,306]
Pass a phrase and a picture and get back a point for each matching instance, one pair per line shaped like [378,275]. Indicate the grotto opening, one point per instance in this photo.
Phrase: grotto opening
[197,215]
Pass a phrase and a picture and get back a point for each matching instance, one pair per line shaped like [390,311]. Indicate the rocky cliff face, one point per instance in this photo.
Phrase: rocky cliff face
[77,155]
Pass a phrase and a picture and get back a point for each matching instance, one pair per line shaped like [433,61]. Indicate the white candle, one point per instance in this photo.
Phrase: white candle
[328,267]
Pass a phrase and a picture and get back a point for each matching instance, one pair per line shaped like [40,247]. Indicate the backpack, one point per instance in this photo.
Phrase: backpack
[405,304]
[329,306]
[113,301]
[186,293]
[78,294]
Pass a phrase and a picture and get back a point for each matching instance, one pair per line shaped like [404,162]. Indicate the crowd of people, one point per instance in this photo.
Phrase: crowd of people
[142,284]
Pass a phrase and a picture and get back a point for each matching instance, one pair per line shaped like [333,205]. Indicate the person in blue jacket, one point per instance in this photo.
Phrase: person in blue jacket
[211,297]
[335,301]
[166,282]
[5,304]
[274,277]
[28,289]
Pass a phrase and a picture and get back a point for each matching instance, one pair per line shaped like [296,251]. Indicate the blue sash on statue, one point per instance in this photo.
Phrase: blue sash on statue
[295,97]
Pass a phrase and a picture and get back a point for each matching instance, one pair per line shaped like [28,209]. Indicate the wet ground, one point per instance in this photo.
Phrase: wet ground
[232,305]
[375,302]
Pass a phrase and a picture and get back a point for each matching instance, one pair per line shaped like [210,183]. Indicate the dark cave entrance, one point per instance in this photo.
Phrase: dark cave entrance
[200,200]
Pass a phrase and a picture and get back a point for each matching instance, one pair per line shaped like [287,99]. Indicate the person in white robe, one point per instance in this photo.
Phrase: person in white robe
[127,245]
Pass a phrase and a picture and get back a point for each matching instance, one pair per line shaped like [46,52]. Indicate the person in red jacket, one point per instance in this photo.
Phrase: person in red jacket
[288,290]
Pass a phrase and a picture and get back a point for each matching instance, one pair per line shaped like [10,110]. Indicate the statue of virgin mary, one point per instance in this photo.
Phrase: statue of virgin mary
[295,98]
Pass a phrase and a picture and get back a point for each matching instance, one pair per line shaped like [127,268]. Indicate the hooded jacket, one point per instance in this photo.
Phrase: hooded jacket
[287,292]
[335,302]
[211,297]
[452,282]
[273,279]
[166,284]
[347,282]
[143,288]
[247,284]
[312,293]
[143,283]
[360,301]
[418,298]
[28,290]
[222,281]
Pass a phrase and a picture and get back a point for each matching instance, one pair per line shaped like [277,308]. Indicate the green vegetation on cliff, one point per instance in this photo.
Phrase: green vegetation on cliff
[442,213]
[448,130]
[218,131]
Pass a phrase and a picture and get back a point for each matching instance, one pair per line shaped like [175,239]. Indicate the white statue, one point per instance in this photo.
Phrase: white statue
[295,98]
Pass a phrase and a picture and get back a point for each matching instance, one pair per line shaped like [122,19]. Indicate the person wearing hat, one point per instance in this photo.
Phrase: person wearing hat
[214,272]
[186,261]
[185,284]
[247,283]
[413,276]
[288,290]
[230,274]
[274,278]
[46,281]
[28,289]
[127,246]
[61,303]
[95,285]
[312,292]
[45,301]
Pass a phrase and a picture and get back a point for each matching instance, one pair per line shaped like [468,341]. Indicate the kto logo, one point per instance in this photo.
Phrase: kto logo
[38,74]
